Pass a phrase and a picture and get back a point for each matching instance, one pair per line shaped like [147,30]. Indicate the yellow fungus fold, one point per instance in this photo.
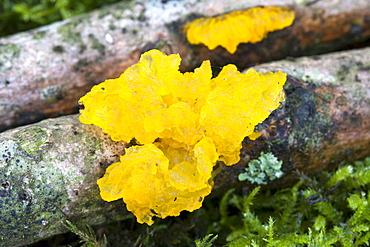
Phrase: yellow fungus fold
[150,186]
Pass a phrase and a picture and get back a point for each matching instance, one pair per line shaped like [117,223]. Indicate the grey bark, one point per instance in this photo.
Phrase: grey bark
[48,170]
[45,71]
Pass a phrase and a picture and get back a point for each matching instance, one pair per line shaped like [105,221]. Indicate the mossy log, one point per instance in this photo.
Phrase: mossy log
[45,71]
[48,170]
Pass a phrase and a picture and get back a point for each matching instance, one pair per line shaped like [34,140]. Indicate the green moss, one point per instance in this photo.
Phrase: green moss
[87,235]
[206,241]
[321,210]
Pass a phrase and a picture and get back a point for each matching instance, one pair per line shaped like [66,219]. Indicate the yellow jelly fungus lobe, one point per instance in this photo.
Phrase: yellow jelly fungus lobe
[184,123]
[240,26]
[236,105]
[156,183]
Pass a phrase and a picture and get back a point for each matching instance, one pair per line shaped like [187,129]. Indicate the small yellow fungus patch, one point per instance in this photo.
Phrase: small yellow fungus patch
[254,136]
[241,26]
[186,122]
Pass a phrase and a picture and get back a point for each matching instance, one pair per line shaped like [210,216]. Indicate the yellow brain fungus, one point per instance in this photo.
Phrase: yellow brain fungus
[241,26]
[184,123]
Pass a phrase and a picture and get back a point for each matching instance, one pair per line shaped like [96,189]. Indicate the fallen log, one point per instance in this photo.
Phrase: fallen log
[48,170]
[45,71]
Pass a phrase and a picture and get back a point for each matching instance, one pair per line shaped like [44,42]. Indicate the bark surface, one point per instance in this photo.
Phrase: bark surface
[45,71]
[48,170]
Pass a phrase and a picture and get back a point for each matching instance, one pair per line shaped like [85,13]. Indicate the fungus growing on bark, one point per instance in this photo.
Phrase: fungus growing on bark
[240,26]
[184,123]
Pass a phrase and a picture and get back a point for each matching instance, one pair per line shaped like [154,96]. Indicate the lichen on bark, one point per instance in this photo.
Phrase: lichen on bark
[42,182]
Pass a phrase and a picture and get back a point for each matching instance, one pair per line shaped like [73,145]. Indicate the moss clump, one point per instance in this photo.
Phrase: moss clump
[326,210]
